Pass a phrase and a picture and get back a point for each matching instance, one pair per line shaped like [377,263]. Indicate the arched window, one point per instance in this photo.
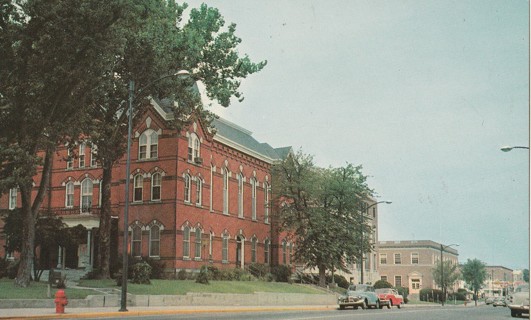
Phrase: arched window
[198,235]
[210,244]
[225,248]
[148,145]
[253,198]
[156,182]
[194,146]
[186,242]
[154,241]
[240,195]
[86,195]
[267,245]
[187,182]
[253,249]
[136,241]
[69,198]
[225,191]
[82,155]
[198,191]
[139,188]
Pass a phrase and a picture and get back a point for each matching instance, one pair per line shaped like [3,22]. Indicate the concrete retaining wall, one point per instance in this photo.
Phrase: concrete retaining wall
[190,299]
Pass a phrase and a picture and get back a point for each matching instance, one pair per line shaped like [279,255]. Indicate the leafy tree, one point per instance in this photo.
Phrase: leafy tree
[154,45]
[474,273]
[319,207]
[447,277]
[526,275]
[54,55]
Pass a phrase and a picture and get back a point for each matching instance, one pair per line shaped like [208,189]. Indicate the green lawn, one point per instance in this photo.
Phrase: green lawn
[38,290]
[179,287]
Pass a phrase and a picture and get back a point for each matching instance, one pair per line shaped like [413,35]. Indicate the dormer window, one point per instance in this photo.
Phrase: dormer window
[148,146]
[194,146]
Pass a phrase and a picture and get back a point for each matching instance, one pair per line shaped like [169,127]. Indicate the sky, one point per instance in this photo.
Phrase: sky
[421,93]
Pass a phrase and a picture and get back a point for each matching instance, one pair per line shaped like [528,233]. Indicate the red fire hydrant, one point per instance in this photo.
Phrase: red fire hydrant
[60,301]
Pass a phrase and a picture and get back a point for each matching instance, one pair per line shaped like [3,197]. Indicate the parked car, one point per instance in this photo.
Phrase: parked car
[359,295]
[489,300]
[390,297]
[518,301]
[499,302]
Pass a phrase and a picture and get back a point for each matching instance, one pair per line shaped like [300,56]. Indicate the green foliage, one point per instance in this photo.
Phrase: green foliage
[450,275]
[460,295]
[404,292]
[141,272]
[431,295]
[182,275]
[203,275]
[525,273]
[474,274]
[157,267]
[259,270]
[382,284]
[322,209]
[339,280]
[281,273]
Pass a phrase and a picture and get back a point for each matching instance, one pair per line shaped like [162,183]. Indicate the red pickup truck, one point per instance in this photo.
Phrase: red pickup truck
[390,297]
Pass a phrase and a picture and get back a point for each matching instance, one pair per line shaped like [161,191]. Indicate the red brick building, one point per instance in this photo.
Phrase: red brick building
[199,196]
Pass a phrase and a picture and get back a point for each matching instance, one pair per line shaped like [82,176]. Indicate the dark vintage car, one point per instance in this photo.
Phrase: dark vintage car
[359,295]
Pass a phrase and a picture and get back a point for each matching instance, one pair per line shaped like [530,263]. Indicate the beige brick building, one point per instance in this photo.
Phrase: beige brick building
[410,263]
[498,279]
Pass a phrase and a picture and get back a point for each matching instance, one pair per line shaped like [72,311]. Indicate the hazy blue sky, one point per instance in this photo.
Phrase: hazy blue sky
[421,93]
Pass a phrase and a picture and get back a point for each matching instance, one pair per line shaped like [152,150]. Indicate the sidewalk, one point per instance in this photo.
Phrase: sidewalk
[75,313]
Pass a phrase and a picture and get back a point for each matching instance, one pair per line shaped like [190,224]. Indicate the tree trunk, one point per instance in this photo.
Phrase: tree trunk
[322,275]
[30,213]
[104,251]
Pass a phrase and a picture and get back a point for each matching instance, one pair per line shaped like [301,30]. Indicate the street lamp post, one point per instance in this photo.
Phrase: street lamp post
[123,304]
[509,148]
[442,271]
[361,243]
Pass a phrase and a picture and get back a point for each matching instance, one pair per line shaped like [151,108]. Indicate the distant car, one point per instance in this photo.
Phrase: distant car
[390,297]
[499,302]
[518,301]
[359,295]
[489,300]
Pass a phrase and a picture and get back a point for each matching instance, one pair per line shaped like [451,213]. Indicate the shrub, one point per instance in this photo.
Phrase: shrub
[157,268]
[213,273]
[12,269]
[203,275]
[141,272]
[431,295]
[339,280]
[259,270]
[281,273]
[382,284]
[4,264]
[182,275]
[404,292]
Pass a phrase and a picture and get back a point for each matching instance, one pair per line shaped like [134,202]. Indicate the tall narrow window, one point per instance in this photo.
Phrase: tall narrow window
[148,145]
[194,146]
[82,155]
[415,258]
[225,191]
[211,200]
[253,198]
[12,198]
[156,181]
[267,245]
[210,244]
[398,281]
[86,195]
[136,240]
[383,258]
[69,160]
[225,248]
[69,199]
[398,258]
[198,235]
[198,191]
[139,188]
[266,202]
[186,242]
[93,152]
[240,195]
[253,249]
[284,251]
[154,241]
[187,183]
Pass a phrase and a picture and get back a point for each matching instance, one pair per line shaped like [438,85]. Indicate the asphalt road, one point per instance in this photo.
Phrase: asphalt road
[421,313]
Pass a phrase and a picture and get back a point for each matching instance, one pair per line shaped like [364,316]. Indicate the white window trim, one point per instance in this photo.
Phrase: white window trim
[159,186]
[199,191]
[12,198]
[253,198]
[84,194]
[149,144]
[225,191]
[141,187]
[151,240]
[70,183]
[240,195]
[187,188]
[82,155]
